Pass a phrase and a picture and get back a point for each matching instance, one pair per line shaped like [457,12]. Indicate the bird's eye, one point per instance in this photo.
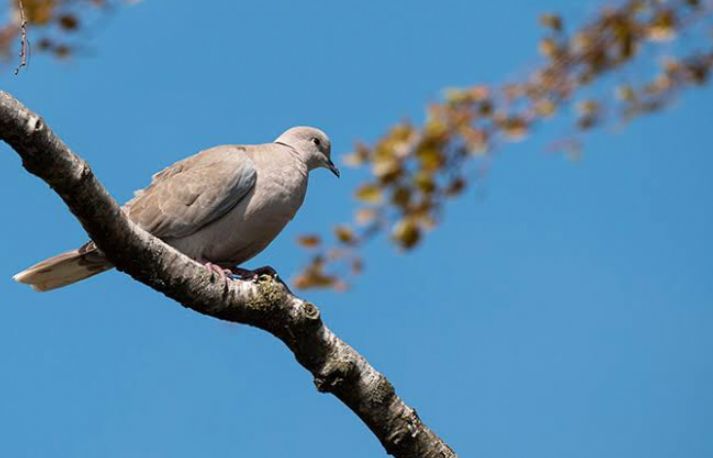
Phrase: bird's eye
[316,141]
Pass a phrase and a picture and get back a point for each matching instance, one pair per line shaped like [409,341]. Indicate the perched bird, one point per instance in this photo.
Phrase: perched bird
[220,207]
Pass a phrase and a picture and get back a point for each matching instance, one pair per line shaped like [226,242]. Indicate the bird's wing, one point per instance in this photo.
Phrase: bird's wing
[193,192]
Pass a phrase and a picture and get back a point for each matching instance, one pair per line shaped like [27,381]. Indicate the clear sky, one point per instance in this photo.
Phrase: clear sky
[564,310]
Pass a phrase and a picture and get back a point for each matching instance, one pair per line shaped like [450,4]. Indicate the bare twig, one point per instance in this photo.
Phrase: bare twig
[24,41]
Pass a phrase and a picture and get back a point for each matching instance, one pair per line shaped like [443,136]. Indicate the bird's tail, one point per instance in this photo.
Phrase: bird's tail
[65,269]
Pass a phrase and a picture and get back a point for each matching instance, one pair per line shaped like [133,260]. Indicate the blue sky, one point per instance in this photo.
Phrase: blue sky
[565,309]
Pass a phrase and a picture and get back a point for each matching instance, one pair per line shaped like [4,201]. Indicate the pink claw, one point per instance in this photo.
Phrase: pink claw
[223,273]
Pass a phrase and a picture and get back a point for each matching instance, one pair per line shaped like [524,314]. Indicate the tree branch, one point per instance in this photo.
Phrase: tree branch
[337,368]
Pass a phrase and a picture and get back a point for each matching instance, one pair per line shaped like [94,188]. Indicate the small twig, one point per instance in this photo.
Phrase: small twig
[25,43]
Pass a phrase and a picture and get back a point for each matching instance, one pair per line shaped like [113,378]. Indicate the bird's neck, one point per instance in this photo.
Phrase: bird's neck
[300,160]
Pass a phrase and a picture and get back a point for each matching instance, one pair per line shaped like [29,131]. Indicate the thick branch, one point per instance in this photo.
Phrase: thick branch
[337,368]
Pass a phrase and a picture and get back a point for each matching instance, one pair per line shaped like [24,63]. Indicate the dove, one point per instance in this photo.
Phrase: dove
[221,207]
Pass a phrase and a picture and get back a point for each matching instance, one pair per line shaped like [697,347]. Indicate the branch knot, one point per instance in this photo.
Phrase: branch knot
[34,124]
[310,312]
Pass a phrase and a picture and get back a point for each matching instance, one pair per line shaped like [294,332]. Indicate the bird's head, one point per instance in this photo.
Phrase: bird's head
[312,145]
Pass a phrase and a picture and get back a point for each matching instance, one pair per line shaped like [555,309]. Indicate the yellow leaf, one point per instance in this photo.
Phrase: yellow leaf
[406,233]
[424,181]
[370,193]
[38,12]
[455,96]
[386,169]
[430,157]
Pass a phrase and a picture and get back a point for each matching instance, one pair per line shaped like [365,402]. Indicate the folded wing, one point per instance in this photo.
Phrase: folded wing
[194,192]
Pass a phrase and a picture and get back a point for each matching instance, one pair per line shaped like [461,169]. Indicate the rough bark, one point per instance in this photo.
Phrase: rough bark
[336,367]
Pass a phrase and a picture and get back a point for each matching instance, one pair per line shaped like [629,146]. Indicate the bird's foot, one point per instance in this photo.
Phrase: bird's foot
[254,275]
[215,268]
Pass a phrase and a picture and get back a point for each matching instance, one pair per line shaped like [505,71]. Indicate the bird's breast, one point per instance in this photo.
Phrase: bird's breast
[255,222]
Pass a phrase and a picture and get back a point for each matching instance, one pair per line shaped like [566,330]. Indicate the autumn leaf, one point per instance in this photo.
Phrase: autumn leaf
[514,128]
[549,48]
[68,22]
[309,241]
[663,27]
[455,187]
[414,169]
[314,276]
[365,216]
[406,234]
[401,196]
[345,235]
[551,21]
[369,193]
[38,12]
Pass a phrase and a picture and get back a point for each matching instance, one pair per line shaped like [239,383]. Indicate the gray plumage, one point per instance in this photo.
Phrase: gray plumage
[223,205]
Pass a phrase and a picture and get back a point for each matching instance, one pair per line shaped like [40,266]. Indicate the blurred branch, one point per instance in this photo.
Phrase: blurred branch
[337,368]
[413,170]
[58,26]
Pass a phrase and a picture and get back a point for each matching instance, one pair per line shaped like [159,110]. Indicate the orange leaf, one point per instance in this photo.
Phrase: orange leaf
[309,241]
[345,235]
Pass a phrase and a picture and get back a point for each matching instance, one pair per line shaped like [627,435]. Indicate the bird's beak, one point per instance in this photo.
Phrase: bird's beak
[333,168]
